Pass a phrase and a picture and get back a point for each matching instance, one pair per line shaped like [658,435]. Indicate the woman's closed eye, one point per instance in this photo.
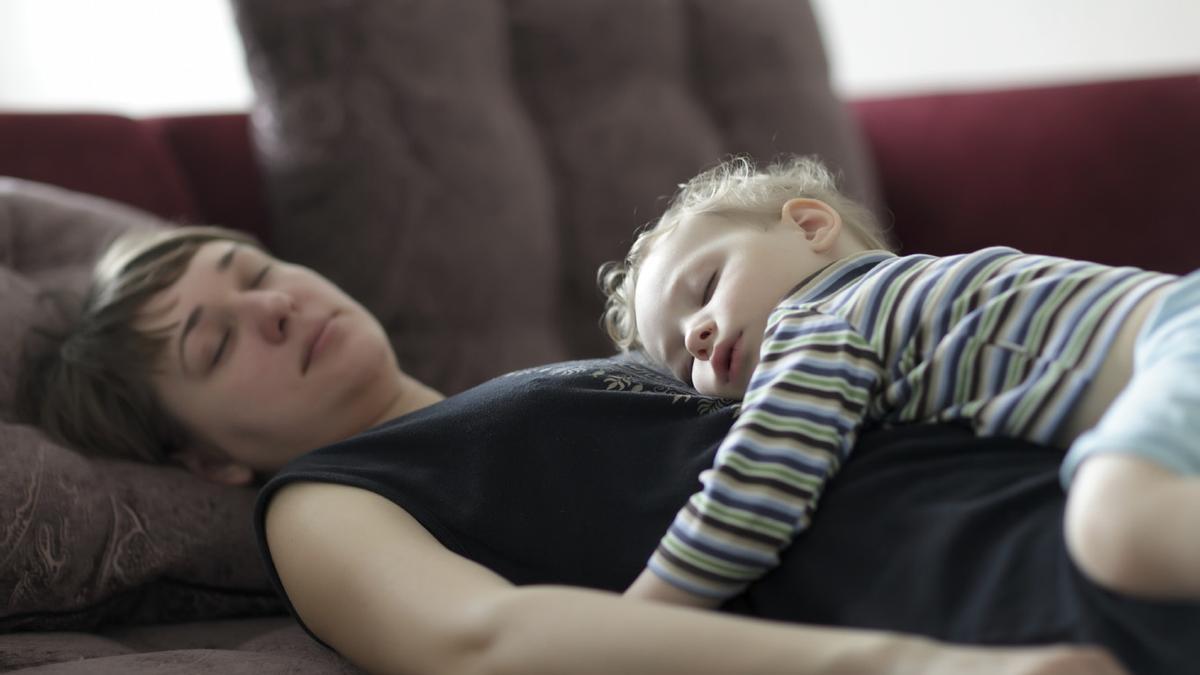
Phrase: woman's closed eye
[258,279]
[220,350]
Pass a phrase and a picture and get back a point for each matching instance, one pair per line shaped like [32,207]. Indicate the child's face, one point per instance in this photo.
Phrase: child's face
[241,370]
[705,291]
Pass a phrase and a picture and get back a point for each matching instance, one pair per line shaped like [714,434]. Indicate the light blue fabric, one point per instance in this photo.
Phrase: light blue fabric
[1157,416]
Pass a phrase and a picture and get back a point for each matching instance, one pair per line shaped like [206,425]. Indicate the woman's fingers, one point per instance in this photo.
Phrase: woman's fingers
[1053,660]
[1074,661]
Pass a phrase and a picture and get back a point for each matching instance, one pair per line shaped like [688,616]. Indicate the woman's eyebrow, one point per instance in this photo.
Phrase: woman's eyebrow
[227,259]
[223,264]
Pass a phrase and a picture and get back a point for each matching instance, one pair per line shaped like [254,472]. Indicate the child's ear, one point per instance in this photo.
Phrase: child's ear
[821,223]
[214,469]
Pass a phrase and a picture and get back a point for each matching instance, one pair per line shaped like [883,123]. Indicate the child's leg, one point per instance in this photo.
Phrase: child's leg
[1133,508]
[1134,527]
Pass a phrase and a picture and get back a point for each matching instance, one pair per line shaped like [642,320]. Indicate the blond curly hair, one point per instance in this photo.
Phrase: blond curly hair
[736,188]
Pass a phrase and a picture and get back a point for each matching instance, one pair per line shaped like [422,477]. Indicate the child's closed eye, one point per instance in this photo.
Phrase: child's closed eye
[709,288]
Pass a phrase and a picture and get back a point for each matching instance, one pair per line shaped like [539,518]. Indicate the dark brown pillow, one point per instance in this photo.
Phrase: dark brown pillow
[85,541]
[464,166]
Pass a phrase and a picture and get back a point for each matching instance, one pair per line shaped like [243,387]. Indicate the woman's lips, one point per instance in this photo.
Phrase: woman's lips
[317,343]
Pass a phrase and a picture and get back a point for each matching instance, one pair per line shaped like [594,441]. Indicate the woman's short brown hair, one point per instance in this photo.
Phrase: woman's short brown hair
[89,385]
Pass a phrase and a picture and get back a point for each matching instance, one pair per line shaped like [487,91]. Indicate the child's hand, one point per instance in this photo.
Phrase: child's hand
[649,587]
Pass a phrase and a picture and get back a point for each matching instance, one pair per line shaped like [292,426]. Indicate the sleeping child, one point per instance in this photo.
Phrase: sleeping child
[772,287]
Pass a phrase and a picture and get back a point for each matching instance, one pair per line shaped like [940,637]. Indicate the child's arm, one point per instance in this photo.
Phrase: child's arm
[815,380]
[649,587]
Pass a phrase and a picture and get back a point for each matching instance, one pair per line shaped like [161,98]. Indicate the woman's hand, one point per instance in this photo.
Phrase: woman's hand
[1072,660]
[1051,660]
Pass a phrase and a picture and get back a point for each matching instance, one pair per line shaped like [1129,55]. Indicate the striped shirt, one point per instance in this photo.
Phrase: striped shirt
[1005,341]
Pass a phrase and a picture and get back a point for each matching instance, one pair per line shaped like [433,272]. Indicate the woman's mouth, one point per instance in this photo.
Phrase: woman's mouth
[316,343]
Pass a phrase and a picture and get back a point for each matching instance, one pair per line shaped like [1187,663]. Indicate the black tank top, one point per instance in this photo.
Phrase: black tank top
[531,475]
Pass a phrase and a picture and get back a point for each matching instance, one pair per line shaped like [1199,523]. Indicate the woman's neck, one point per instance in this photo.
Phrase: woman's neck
[412,395]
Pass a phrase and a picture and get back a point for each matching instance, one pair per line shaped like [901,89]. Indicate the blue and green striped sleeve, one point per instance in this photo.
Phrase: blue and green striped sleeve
[799,419]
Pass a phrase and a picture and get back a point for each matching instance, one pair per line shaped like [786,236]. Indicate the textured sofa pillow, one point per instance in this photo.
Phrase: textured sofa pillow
[464,166]
[88,541]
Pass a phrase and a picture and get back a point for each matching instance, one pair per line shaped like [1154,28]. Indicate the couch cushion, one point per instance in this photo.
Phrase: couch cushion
[464,167]
[29,650]
[202,662]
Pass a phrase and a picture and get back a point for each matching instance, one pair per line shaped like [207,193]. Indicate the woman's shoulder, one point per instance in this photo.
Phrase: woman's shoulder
[354,565]
[297,511]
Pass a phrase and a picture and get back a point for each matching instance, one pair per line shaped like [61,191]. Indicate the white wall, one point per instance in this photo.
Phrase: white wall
[145,57]
[879,47]
[129,56]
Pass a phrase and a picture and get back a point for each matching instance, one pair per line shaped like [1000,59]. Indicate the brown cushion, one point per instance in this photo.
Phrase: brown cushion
[27,650]
[202,662]
[87,541]
[463,167]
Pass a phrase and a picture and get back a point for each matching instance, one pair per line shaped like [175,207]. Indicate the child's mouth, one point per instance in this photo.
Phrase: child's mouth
[727,359]
[734,366]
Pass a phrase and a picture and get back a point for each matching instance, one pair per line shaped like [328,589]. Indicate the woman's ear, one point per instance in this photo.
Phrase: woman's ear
[821,223]
[218,470]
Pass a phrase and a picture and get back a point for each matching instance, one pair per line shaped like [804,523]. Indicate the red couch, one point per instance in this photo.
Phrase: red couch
[1104,171]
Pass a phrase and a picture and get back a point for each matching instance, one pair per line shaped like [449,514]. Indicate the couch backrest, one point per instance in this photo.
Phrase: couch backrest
[105,155]
[464,167]
[1103,171]
[191,169]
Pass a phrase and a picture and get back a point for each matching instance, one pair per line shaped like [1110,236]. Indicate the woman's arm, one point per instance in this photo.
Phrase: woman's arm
[374,584]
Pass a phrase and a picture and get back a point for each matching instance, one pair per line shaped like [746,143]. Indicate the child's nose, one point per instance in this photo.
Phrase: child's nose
[699,340]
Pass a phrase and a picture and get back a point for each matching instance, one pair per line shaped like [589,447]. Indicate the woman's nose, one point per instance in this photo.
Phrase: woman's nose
[270,311]
[699,340]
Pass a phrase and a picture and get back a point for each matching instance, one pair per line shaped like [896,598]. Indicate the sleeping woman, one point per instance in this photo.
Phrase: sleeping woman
[493,531]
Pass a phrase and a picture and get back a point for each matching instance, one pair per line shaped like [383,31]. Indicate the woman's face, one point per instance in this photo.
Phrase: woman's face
[267,360]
